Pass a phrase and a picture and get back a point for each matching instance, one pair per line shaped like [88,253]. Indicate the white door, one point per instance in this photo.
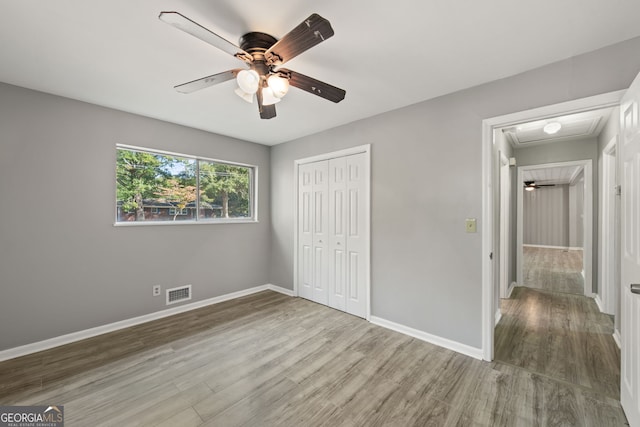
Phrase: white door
[333,233]
[337,233]
[312,231]
[305,232]
[357,235]
[320,190]
[630,319]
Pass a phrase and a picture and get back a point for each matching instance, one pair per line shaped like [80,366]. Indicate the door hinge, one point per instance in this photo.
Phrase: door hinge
[618,190]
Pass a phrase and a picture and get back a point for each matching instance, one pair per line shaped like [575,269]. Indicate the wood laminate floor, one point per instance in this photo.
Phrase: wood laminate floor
[559,335]
[553,269]
[271,360]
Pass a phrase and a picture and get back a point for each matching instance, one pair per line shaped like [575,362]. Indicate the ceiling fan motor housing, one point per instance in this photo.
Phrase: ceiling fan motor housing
[256,44]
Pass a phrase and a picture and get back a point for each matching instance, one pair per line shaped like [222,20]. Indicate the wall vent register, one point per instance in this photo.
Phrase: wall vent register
[175,295]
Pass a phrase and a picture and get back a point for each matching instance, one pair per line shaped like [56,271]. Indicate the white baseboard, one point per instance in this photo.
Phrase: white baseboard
[617,338]
[111,327]
[511,288]
[598,301]
[564,248]
[476,353]
[498,316]
[285,291]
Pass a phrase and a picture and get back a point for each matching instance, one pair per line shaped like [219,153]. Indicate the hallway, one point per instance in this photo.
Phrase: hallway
[550,329]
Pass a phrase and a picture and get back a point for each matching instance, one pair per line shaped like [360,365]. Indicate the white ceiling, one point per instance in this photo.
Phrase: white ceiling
[554,175]
[385,55]
[583,125]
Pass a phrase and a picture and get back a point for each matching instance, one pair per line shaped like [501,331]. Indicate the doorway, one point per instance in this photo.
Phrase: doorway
[554,227]
[551,325]
[490,188]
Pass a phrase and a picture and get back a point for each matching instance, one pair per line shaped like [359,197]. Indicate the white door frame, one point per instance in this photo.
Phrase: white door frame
[611,99]
[609,223]
[505,238]
[366,149]
[587,223]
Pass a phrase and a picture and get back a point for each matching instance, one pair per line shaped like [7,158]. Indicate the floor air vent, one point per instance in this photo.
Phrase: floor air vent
[182,293]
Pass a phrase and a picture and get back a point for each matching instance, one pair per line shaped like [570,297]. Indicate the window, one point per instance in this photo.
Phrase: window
[154,186]
[176,211]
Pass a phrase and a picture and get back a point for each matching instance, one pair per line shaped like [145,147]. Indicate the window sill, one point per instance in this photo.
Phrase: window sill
[169,223]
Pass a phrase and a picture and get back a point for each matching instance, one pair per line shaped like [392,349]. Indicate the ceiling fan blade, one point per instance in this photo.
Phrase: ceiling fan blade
[185,24]
[205,82]
[316,87]
[312,31]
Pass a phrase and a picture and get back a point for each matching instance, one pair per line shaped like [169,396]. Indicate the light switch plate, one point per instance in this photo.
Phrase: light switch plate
[470,224]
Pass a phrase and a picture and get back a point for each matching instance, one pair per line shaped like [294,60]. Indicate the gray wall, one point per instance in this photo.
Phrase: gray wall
[427,174]
[64,266]
[545,216]
[564,152]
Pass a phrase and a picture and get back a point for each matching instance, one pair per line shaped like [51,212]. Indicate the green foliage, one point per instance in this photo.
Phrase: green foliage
[226,186]
[138,175]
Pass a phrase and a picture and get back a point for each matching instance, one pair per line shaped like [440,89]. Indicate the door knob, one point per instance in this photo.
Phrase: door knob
[635,289]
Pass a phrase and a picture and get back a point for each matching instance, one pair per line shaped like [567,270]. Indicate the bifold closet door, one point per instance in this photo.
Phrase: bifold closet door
[331,232]
[313,211]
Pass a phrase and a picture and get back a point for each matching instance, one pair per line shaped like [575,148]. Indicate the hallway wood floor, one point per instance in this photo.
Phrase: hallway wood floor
[271,360]
[553,269]
[559,335]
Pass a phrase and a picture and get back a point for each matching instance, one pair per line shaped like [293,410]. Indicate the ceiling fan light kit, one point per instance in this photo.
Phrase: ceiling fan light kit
[264,55]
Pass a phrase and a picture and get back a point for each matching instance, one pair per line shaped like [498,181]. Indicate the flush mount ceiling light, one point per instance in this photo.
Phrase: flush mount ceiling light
[263,55]
[552,128]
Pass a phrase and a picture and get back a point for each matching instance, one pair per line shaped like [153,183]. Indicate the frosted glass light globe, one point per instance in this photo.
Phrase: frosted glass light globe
[248,80]
[279,85]
[268,98]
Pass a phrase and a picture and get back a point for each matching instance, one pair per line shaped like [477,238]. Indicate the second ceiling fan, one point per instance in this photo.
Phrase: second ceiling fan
[263,56]
[531,185]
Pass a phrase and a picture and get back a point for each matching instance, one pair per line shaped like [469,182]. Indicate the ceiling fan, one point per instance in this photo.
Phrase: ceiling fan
[263,55]
[531,185]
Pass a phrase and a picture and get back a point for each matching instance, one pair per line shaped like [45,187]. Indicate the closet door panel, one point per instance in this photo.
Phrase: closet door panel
[305,234]
[320,242]
[337,233]
[356,235]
